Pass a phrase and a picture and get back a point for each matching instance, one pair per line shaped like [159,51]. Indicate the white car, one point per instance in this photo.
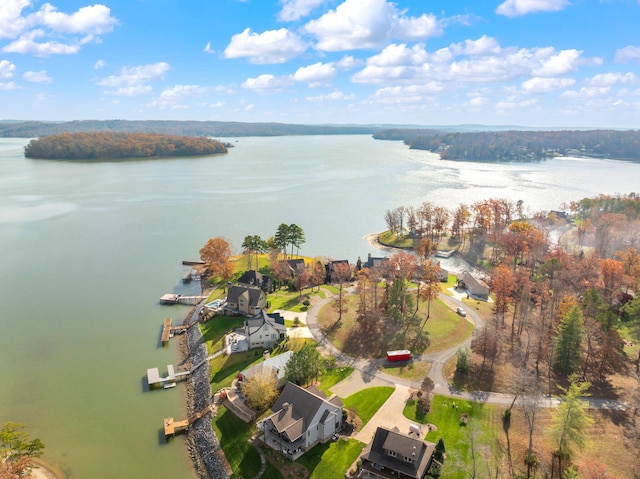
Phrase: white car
[461,312]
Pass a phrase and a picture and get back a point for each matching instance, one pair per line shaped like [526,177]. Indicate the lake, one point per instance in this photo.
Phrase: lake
[88,248]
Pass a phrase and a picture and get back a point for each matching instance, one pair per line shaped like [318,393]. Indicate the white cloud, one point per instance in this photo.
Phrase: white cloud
[133,80]
[561,63]
[295,9]
[272,46]
[59,32]
[98,65]
[7,69]
[347,62]
[610,79]
[477,101]
[8,86]
[367,24]
[37,77]
[208,49]
[318,74]
[588,92]
[333,96]
[266,83]
[515,8]
[407,94]
[546,85]
[508,105]
[627,54]
[173,97]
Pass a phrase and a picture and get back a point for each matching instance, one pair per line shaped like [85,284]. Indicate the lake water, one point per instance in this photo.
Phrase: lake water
[88,248]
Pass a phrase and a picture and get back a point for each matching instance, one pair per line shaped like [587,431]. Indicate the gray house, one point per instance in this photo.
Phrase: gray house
[264,330]
[245,299]
[255,278]
[302,418]
[392,454]
[474,286]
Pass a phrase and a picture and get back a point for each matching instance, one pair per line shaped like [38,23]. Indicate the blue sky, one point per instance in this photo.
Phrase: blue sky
[573,63]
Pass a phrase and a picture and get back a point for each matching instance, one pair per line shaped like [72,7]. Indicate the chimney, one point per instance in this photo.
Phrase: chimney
[266,354]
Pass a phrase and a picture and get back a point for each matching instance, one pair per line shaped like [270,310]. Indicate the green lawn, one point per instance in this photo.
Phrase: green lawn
[445,414]
[213,331]
[392,239]
[224,369]
[414,370]
[332,377]
[288,300]
[331,460]
[365,403]
[234,435]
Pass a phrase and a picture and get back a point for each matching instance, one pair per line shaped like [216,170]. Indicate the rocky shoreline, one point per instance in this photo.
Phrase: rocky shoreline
[202,443]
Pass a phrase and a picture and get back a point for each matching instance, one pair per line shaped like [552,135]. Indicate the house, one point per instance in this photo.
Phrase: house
[255,278]
[264,330]
[276,364]
[302,418]
[296,266]
[245,299]
[333,267]
[373,262]
[392,454]
[475,287]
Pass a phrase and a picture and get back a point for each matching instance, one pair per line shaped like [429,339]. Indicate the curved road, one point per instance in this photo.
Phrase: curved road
[370,367]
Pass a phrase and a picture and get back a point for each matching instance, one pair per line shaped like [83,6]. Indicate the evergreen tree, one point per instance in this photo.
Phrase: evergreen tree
[568,342]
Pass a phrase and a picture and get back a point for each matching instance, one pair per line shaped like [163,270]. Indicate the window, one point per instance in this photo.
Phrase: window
[265,327]
[408,459]
[391,453]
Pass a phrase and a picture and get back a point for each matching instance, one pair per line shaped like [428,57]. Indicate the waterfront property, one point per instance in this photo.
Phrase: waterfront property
[302,419]
[255,278]
[264,330]
[392,454]
[244,299]
[276,364]
[474,286]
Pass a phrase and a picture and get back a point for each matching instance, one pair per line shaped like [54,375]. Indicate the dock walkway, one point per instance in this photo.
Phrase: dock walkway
[171,427]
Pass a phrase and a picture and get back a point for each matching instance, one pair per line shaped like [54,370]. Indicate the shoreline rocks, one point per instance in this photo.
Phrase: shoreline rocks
[202,443]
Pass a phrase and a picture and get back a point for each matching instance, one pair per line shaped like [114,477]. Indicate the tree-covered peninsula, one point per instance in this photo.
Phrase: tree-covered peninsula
[111,145]
[521,145]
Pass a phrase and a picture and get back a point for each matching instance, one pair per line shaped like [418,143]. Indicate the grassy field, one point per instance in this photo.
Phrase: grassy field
[365,403]
[332,377]
[234,434]
[213,331]
[331,460]
[413,370]
[224,369]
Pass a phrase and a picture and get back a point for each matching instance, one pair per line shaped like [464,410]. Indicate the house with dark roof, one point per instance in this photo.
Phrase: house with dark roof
[373,262]
[302,418]
[392,454]
[332,267]
[244,299]
[474,286]
[263,330]
[296,266]
[255,278]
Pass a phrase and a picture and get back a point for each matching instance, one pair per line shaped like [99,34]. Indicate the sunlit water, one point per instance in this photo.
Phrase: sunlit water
[86,250]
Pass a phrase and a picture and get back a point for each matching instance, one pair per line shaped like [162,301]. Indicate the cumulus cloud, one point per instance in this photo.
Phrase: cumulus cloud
[37,77]
[333,96]
[367,24]
[546,85]
[347,62]
[318,74]
[174,96]
[561,63]
[407,94]
[627,54]
[134,80]
[515,8]
[610,79]
[98,65]
[7,69]
[295,9]
[48,31]
[272,46]
[266,83]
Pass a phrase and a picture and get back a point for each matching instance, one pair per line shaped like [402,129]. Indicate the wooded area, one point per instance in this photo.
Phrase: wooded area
[81,146]
[521,145]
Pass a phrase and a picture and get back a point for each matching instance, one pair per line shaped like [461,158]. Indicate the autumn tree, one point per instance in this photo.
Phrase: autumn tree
[318,274]
[340,274]
[261,390]
[17,451]
[217,256]
[302,281]
[402,267]
[304,366]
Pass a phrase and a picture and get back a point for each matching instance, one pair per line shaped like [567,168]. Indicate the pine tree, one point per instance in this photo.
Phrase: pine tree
[568,342]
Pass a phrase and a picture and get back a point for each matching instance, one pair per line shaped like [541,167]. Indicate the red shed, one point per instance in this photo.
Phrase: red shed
[399,355]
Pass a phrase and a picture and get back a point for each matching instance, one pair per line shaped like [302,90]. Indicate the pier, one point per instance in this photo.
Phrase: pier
[153,375]
[168,330]
[171,427]
[172,298]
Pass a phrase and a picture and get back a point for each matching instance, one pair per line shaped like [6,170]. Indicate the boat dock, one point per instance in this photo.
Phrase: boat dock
[172,298]
[168,330]
[171,427]
[153,375]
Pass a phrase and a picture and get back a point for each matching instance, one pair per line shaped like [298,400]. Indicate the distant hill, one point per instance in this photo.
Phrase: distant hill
[31,129]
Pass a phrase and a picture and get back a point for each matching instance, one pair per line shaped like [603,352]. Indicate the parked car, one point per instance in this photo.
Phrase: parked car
[461,312]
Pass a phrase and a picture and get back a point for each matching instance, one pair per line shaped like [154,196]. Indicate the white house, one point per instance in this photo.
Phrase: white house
[264,330]
[302,419]
[276,364]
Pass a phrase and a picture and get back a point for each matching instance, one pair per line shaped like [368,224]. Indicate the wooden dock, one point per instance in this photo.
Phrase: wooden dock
[168,330]
[171,427]
[171,298]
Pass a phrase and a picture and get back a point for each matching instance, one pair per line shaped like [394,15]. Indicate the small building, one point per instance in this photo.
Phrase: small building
[295,266]
[378,263]
[264,330]
[474,286]
[276,364]
[392,454]
[302,418]
[255,278]
[333,266]
[244,299]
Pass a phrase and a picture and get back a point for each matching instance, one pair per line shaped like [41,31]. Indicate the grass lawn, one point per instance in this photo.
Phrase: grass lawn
[288,300]
[485,421]
[234,434]
[332,377]
[414,370]
[224,369]
[392,239]
[331,460]
[213,331]
[365,403]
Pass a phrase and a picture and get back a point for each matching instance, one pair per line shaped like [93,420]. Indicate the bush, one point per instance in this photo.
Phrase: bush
[462,361]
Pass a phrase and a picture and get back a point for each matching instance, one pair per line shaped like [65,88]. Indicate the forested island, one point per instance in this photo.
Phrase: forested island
[31,129]
[520,145]
[111,145]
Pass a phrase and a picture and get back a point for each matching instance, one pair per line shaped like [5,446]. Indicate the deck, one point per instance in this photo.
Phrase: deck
[171,426]
[168,330]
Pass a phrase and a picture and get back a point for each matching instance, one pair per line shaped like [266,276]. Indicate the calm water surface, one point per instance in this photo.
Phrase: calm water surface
[88,248]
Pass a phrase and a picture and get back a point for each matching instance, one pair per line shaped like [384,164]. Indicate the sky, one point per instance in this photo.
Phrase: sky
[539,63]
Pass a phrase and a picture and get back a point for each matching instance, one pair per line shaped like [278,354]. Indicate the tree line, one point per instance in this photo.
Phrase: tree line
[77,146]
[521,145]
